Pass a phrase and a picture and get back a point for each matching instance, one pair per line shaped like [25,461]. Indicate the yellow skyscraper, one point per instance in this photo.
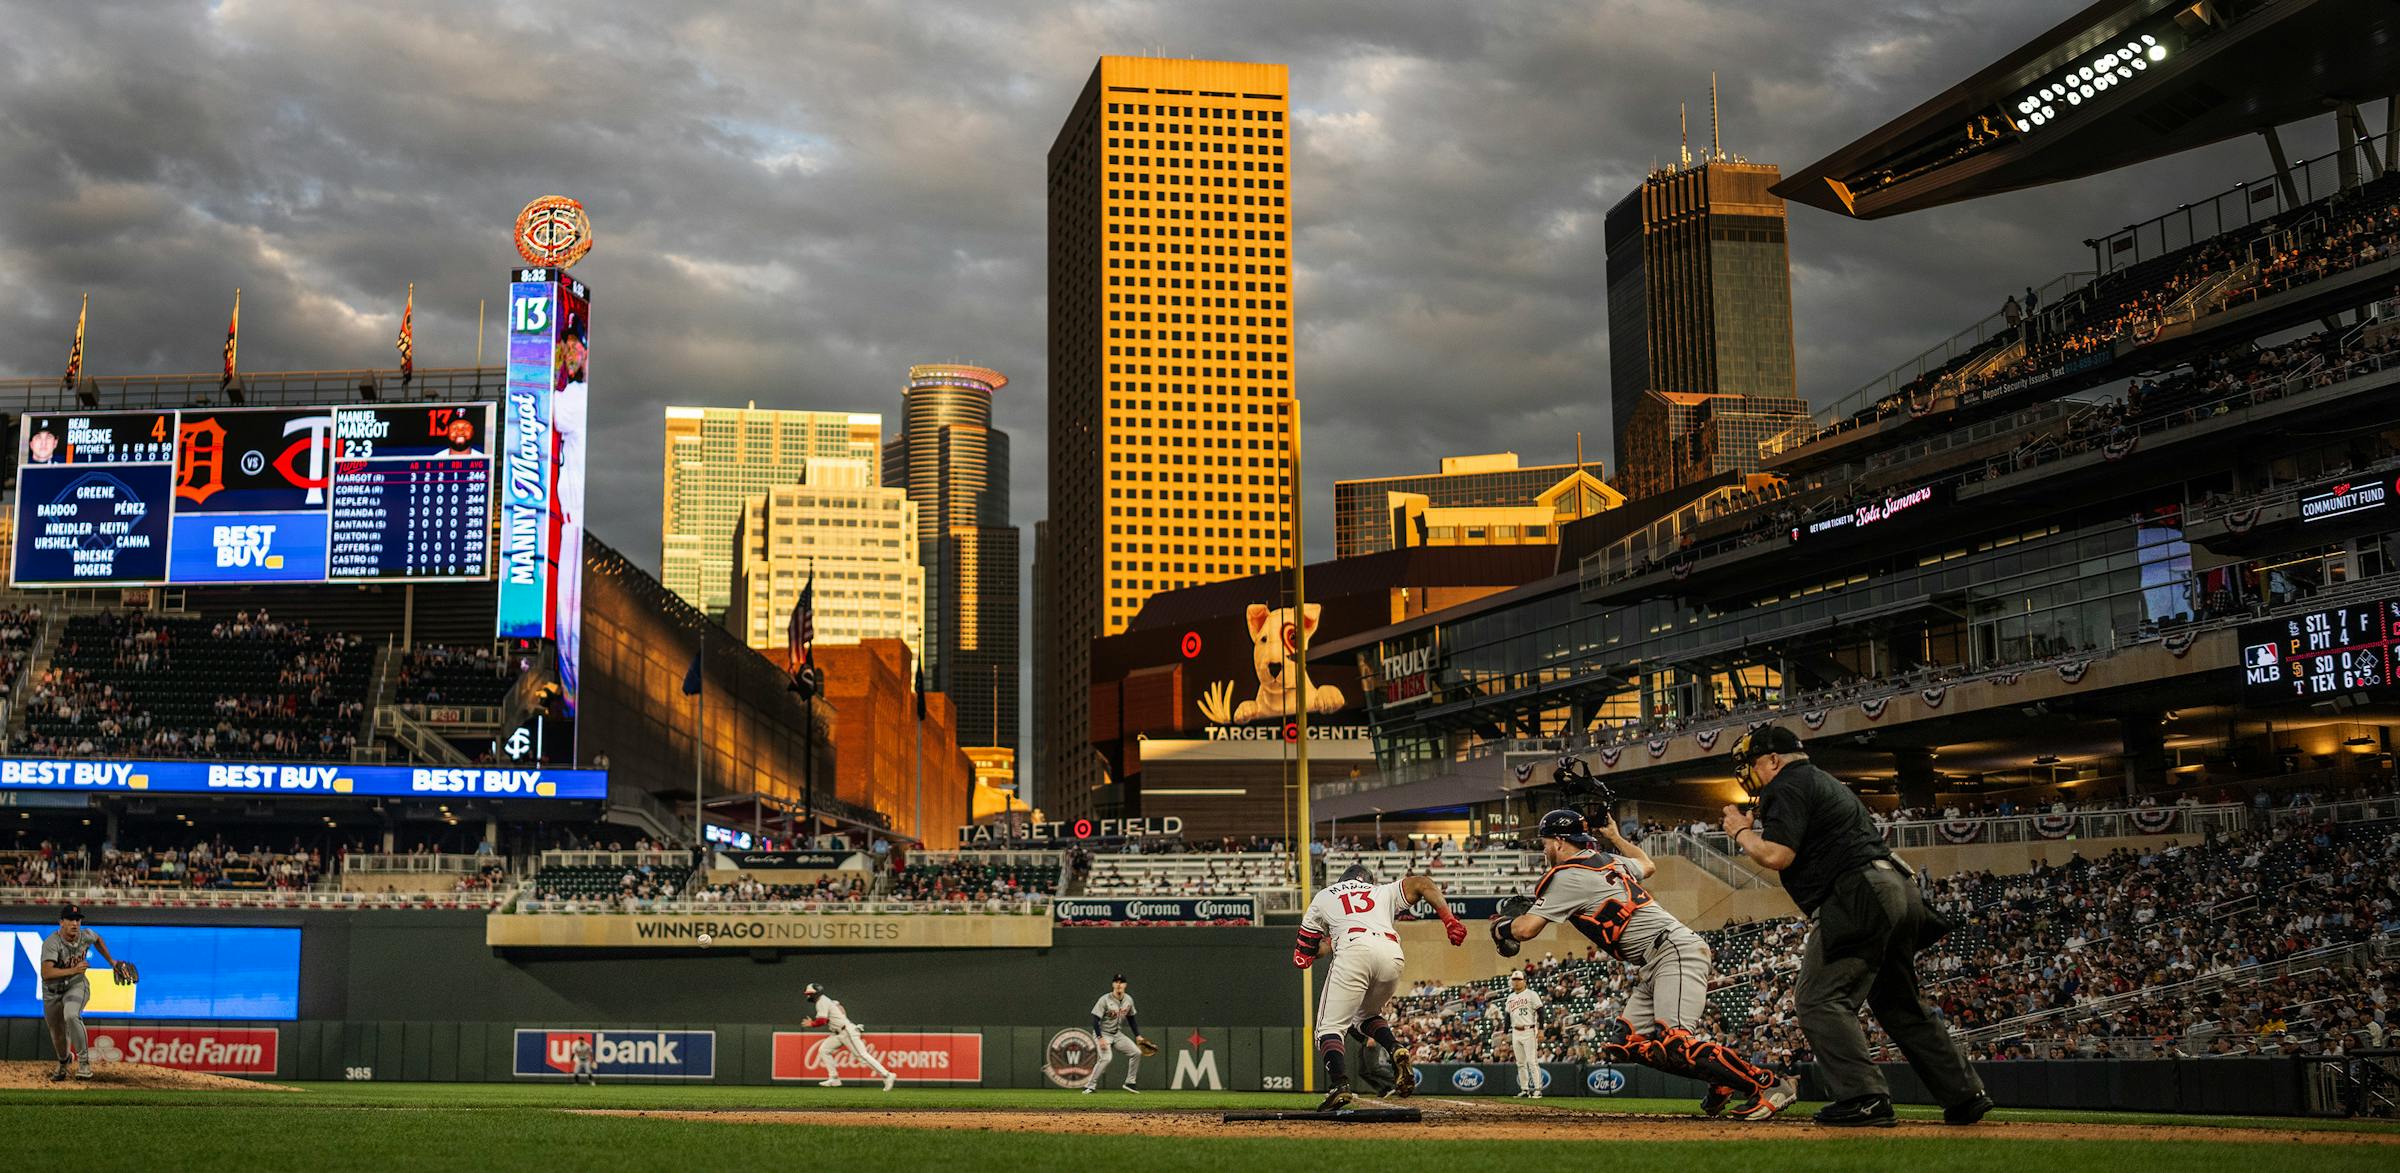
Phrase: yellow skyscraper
[1170,364]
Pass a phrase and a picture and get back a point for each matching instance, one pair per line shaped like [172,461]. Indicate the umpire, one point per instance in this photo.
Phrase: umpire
[1870,922]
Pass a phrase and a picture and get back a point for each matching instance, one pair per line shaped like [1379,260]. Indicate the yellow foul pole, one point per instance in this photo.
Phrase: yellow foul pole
[1300,693]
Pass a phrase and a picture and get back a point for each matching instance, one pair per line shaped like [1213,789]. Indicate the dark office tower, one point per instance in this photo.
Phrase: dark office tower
[954,464]
[1699,309]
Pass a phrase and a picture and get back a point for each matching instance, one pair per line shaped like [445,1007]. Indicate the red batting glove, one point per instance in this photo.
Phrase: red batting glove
[1456,928]
[1303,958]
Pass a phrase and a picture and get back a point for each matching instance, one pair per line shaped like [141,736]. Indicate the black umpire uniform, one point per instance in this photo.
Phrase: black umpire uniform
[1870,921]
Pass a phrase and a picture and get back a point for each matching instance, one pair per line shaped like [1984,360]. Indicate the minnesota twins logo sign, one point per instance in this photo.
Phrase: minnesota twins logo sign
[554,231]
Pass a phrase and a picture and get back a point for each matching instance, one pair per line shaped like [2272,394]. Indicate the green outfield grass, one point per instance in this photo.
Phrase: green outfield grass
[330,1127]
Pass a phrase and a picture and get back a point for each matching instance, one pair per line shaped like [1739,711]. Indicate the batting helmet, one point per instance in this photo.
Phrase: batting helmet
[812,991]
[1358,872]
[1568,825]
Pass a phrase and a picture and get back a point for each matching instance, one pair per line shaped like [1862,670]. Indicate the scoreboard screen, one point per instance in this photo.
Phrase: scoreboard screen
[2326,652]
[214,497]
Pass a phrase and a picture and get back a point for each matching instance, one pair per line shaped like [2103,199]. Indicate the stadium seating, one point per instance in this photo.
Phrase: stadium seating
[967,878]
[246,686]
[451,676]
[1484,873]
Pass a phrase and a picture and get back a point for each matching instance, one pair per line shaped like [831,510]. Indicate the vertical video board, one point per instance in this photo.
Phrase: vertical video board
[542,458]
[232,496]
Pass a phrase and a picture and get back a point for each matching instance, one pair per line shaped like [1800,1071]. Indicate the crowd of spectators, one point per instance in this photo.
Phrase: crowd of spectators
[211,863]
[251,686]
[973,882]
[2208,949]
[437,675]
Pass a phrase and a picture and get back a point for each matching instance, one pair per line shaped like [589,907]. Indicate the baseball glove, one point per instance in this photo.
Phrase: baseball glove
[1503,938]
[1143,1042]
[125,973]
[1516,906]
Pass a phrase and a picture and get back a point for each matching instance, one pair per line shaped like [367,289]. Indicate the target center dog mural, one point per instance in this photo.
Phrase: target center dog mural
[1278,641]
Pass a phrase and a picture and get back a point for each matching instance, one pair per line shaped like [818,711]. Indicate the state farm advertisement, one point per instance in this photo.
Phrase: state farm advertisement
[223,1050]
[916,1058]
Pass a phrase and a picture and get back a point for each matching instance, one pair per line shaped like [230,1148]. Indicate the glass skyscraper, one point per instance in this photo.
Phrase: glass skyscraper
[954,464]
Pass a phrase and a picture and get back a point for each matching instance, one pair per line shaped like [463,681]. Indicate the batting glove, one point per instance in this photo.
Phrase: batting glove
[1456,928]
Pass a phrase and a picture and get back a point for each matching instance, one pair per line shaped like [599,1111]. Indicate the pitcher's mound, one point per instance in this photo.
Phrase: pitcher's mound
[133,1076]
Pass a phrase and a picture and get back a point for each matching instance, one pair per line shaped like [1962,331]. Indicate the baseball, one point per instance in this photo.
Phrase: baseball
[706,940]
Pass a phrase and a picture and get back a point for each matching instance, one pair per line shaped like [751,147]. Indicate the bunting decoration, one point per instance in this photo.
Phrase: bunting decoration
[2116,450]
[2072,671]
[2240,520]
[1524,771]
[2180,644]
[2152,820]
[1813,718]
[1958,831]
[1933,696]
[1610,754]
[1708,738]
[1658,746]
[1874,708]
[2053,826]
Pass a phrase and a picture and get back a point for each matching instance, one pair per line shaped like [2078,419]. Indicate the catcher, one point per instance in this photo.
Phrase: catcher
[1115,1028]
[1604,899]
[65,959]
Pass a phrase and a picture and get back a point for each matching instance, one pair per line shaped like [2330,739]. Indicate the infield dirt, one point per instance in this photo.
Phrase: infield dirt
[35,1076]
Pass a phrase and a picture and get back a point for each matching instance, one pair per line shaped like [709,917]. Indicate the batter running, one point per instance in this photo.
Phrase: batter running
[1353,917]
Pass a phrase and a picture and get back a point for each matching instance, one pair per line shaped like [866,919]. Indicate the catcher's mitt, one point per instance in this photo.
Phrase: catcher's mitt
[1148,1047]
[1516,906]
[125,973]
[1503,939]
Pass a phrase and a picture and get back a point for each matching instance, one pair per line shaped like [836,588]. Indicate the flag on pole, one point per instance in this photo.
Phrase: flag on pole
[691,677]
[801,637]
[920,692]
[75,356]
[407,345]
[233,343]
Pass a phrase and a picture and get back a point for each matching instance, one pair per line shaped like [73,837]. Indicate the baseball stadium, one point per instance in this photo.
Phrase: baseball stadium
[367,810]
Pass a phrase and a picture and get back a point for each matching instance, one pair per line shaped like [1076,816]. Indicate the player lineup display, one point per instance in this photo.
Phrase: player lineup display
[207,496]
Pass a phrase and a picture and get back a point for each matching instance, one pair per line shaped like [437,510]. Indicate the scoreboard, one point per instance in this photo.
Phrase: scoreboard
[211,497]
[2321,653]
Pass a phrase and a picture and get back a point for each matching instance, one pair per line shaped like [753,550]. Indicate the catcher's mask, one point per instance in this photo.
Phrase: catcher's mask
[1358,872]
[1757,743]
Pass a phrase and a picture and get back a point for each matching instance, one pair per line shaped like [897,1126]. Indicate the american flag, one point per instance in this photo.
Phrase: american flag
[802,635]
[407,345]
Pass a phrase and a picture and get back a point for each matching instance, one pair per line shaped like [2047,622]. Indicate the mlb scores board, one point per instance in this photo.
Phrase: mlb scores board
[2321,653]
[202,496]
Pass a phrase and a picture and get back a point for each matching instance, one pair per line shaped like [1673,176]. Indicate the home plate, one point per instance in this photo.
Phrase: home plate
[1342,1116]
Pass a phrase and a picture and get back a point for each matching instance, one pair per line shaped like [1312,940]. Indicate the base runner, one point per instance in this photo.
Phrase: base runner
[1353,918]
[844,1032]
[1602,896]
[1116,1028]
[1523,1011]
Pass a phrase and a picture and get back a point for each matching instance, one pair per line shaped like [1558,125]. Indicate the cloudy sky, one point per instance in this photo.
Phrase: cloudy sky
[796,200]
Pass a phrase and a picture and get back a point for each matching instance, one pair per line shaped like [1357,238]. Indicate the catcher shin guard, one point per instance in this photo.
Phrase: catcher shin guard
[1711,1062]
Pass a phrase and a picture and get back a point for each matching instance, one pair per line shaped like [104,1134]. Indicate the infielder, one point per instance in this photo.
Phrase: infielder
[844,1033]
[1116,1028]
[1524,1012]
[585,1072]
[1353,917]
[65,989]
[1604,899]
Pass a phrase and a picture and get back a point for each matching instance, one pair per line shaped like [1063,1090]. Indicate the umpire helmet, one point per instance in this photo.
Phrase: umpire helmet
[1568,825]
[1358,872]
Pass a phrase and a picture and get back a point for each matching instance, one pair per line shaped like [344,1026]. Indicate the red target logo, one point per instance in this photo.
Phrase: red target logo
[1191,645]
[1083,828]
[1291,731]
